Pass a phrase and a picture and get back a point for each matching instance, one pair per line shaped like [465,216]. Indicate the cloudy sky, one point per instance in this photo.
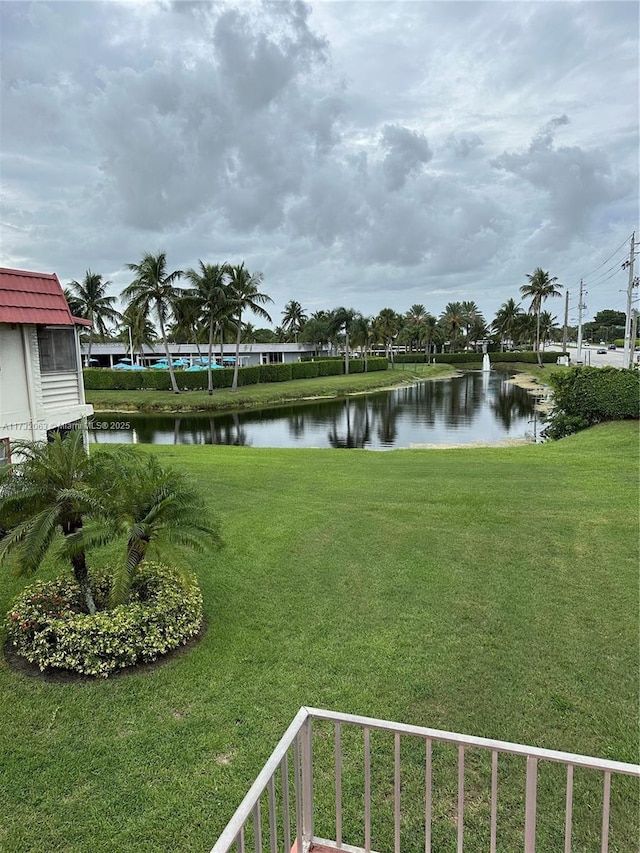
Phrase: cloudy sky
[366,154]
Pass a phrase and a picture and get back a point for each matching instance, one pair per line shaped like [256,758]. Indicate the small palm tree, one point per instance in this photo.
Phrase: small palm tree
[541,286]
[506,321]
[137,331]
[155,508]
[293,318]
[51,490]
[209,290]
[154,288]
[93,303]
[387,325]
[245,296]
[363,334]
[548,325]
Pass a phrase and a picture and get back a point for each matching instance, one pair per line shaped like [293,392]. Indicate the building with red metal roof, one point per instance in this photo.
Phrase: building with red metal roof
[41,385]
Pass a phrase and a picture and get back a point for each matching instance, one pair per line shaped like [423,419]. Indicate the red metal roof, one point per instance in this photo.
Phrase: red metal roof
[34,297]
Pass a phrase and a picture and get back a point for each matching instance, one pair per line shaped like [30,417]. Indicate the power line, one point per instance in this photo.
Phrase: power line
[624,243]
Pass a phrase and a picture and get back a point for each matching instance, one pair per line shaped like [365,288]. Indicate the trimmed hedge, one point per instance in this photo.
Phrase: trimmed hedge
[104,379]
[584,396]
[46,627]
[275,372]
[305,370]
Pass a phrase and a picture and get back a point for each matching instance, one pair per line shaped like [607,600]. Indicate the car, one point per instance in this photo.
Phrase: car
[602,352]
[612,346]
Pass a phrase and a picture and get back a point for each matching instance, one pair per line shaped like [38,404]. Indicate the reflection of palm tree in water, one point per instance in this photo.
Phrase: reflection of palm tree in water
[387,428]
[512,404]
[358,433]
[241,433]
[296,424]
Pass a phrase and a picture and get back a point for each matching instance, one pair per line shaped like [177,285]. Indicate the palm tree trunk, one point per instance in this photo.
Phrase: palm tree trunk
[538,338]
[234,386]
[209,369]
[82,576]
[89,348]
[366,356]
[346,353]
[174,385]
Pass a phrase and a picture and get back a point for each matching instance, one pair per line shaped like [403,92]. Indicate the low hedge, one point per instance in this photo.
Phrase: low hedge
[46,626]
[275,372]
[476,357]
[305,370]
[584,396]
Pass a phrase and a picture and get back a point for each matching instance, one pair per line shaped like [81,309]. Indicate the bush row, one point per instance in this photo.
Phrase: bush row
[585,396]
[46,628]
[96,379]
[476,358]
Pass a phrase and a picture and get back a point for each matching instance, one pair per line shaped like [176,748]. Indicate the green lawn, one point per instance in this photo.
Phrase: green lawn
[491,591]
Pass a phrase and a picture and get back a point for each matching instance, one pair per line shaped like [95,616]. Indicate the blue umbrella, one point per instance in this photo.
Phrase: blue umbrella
[160,365]
[194,368]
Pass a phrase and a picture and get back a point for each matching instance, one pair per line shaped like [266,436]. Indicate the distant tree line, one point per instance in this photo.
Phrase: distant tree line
[209,304]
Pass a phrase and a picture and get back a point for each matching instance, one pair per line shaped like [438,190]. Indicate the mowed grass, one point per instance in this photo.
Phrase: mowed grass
[491,591]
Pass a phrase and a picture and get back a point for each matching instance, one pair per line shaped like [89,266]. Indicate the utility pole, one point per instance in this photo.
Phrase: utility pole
[565,331]
[634,332]
[628,347]
[581,308]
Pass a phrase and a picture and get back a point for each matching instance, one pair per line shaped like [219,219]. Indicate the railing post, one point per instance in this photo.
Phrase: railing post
[307,783]
[530,806]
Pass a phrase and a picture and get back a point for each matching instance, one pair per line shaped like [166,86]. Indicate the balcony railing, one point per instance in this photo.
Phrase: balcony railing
[281,810]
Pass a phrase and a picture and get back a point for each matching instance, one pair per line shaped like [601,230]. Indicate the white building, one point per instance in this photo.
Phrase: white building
[41,388]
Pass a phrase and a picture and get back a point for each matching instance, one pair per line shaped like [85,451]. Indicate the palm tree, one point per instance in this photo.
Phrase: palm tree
[138,331]
[51,489]
[414,319]
[387,324]
[363,334]
[210,294]
[344,318]
[548,325]
[452,320]
[506,321]
[245,296]
[74,302]
[540,287]
[293,318]
[427,332]
[90,297]
[153,289]
[470,314]
[162,510]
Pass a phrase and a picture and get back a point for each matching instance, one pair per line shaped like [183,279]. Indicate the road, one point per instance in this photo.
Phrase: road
[612,358]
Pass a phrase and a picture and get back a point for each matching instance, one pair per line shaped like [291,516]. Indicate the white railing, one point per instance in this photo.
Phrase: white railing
[286,782]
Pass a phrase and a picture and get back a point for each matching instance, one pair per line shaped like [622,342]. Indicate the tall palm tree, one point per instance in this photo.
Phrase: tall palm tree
[541,286]
[427,333]
[470,313]
[293,318]
[506,321]
[161,510]
[344,318]
[452,320]
[51,489]
[245,296]
[154,288]
[209,290]
[91,297]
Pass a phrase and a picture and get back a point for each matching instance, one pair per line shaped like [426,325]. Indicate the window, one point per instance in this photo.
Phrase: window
[57,350]
[5,451]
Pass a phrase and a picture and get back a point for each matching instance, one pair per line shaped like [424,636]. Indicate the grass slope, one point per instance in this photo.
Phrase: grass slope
[489,591]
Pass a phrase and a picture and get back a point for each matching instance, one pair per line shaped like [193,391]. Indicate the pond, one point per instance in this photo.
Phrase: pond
[469,408]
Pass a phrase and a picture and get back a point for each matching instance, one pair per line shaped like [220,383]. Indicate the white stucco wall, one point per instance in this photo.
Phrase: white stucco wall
[32,403]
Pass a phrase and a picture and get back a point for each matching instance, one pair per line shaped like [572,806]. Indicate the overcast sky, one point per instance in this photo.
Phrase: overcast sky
[365,154]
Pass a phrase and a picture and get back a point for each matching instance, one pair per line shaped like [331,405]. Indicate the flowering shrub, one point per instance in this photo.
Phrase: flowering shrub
[47,627]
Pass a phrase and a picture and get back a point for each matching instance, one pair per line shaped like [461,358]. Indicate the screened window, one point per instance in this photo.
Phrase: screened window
[5,452]
[57,350]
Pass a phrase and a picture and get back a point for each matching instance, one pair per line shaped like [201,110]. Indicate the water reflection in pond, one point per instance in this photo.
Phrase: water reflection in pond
[472,407]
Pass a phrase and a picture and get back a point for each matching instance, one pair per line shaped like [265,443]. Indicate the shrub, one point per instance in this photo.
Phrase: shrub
[275,372]
[584,396]
[377,363]
[330,367]
[305,370]
[46,627]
